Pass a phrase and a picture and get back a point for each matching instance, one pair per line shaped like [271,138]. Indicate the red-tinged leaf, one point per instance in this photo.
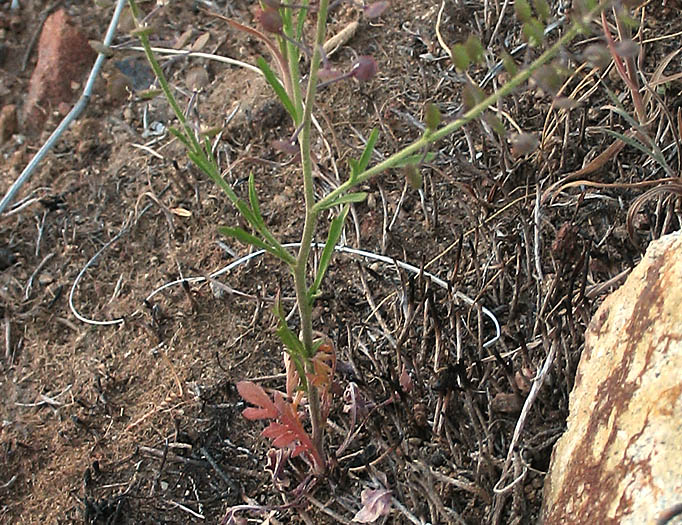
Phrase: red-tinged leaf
[273,430]
[256,413]
[375,503]
[298,451]
[284,440]
[255,395]
[324,365]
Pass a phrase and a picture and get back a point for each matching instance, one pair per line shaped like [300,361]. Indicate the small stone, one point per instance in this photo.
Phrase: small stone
[507,403]
[197,78]
[217,291]
[117,87]
[8,122]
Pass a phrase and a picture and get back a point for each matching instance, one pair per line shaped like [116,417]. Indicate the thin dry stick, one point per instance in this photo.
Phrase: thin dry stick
[521,422]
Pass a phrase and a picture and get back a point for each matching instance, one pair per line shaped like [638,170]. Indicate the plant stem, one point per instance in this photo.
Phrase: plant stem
[475,112]
[311,215]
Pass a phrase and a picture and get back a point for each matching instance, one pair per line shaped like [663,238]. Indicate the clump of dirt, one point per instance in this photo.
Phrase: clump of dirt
[119,400]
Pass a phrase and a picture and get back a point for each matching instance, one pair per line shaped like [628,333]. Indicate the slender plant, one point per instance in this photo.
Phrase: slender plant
[310,362]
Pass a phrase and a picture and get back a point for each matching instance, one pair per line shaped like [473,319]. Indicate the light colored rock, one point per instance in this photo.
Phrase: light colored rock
[620,460]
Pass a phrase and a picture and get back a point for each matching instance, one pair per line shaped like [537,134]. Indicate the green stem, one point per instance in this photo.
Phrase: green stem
[299,271]
[293,56]
[475,112]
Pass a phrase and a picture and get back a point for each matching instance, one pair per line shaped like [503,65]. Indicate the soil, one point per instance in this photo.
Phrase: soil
[119,406]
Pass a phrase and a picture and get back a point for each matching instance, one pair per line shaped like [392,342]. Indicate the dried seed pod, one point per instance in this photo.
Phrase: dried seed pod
[627,48]
[375,9]
[414,178]
[598,55]
[364,68]
[420,414]
[523,144]
[432,116]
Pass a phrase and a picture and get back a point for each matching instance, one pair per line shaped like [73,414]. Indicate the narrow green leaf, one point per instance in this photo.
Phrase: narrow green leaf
[292,344]
[354,171]
[654,153]
[335,230]
[244,237]
[302,13]
[432,116]
[253,200]
[180,136]
[277,87]
[294,348]
[367,152]
[345,199]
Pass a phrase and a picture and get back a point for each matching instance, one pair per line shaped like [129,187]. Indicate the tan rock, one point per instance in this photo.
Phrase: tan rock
[620,460]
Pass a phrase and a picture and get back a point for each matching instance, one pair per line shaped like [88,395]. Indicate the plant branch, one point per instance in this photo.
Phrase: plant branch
[475,112]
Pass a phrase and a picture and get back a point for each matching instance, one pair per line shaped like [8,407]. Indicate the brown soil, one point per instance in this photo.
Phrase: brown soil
[139,421]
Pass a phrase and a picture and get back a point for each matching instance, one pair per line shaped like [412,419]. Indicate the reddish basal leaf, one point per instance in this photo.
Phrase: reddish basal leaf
[405,381]
[375,503]
[255,395]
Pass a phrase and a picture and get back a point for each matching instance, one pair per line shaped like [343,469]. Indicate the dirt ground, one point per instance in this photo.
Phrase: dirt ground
[119,406]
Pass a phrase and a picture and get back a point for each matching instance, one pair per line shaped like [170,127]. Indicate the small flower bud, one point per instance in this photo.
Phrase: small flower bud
[364,69]
[270,20]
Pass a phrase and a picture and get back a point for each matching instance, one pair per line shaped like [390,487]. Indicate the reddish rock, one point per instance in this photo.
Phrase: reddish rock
[64,56]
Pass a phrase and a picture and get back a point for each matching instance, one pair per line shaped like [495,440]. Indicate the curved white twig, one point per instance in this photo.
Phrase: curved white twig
[353,251]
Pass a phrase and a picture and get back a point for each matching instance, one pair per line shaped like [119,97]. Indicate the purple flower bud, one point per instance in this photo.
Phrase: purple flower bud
[364,68]
[270,20]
